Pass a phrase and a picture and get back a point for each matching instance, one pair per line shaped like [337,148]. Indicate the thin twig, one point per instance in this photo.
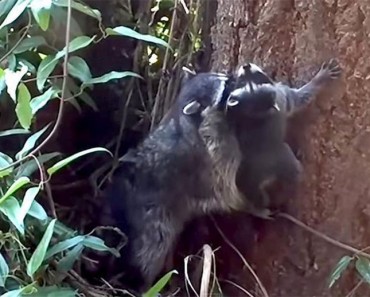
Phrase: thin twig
[355,288]
[187,278]
[84,286]
[42,176]
[237,286]
[26,29]
[49,194]
[262,287]
[164,69]
[323,236]
[35,78]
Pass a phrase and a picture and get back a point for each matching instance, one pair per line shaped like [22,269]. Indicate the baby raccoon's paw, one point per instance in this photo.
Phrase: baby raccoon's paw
[330,70]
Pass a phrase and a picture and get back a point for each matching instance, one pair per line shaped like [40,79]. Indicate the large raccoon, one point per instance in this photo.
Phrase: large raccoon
[184,168]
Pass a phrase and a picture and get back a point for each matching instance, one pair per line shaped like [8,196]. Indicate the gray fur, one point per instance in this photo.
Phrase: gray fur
[261,127]
[185,168]
[290,100]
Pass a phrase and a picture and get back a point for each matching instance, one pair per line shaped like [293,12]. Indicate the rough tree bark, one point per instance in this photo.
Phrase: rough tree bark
[290,39]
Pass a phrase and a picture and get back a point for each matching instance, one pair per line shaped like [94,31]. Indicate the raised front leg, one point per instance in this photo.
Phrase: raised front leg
[291,100]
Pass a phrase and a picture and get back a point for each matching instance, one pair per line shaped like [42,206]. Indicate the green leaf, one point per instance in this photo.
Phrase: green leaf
[37,211]
[23,108]
[46,67]
[15,12]
[159,285]
[40,101]
[75,104]
[10,208]
[13,293]
[29,44]
[80,7]
[5,6]
[363,268]
[29,167]
[2,80]
[14,132]
[4,270]
[29,289]
[125,31]
[98,244]
[75,44]
[30,143]
[69,92]
[56,167]
[19,183]
[41,12]
[64,245]
[54,291]
[12,62]
[64,231]
[31,67]
[338,270]
[5,161]
[28,199]
[78,68]
[109,76]
[88,101]
[66,263]
[12,80]
[76,90]
[39,254]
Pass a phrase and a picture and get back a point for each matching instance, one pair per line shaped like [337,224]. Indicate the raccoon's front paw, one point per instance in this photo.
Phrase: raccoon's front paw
[330,70]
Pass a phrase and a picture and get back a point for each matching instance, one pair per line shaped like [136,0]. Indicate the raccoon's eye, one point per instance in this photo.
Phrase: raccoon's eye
[232,102]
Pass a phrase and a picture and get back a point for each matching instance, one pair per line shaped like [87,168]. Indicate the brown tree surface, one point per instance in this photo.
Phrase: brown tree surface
[290,39]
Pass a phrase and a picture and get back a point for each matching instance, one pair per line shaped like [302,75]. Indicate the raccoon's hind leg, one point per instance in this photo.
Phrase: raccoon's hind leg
[288,168]
[252,181]
[150,245]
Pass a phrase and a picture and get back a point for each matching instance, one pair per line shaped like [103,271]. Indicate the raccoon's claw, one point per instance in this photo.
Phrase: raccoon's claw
[330,69]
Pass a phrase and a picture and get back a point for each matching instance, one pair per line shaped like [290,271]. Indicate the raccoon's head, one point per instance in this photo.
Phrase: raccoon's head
[248,92]
[256,102]
[253,94]
[199,91]
[251,73]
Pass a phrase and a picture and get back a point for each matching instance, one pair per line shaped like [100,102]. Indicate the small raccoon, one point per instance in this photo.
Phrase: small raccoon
[184,168]
[258,109]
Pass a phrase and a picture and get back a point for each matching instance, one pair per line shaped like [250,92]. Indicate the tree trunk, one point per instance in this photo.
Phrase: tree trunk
[290,39]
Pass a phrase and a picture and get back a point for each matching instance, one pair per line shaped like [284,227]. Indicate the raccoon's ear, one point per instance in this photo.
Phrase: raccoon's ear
[243,70]
[191,108]
[187,74]
[231,102]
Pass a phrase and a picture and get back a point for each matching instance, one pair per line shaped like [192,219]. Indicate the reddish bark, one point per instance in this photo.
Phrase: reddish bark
[290,39]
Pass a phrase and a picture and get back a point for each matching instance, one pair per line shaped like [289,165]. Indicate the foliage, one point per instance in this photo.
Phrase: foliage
[38,252]
[361,266]
[159,285]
